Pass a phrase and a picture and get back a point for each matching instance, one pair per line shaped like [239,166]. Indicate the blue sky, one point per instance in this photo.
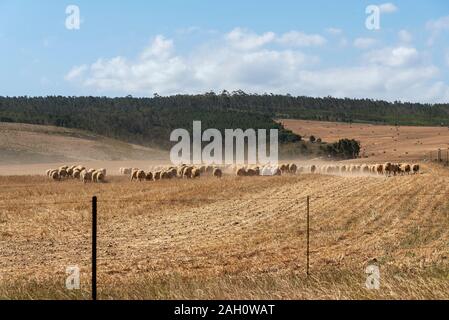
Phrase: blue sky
[314,48]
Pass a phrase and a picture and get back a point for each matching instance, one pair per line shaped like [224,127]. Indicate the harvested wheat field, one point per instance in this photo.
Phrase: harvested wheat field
[229,238]
[379,142]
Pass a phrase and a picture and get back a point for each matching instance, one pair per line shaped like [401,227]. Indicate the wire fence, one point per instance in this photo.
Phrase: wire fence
[440,156]
[310,225]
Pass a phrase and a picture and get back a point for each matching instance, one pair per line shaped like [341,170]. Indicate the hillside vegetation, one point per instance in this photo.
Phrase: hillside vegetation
[149,121]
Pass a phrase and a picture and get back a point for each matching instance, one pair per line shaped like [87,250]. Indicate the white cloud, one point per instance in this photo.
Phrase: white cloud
[246,40]
[75,72]
[364,43]
[436,27]
[159,48]
[393,57]
[243,62]
[300,39]
[388,8]
[405,36]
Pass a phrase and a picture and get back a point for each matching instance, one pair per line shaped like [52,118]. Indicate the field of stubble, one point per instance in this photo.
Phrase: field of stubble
[234,238]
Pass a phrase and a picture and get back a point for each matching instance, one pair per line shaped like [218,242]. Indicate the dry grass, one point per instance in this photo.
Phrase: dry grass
[379,142]
[229,238]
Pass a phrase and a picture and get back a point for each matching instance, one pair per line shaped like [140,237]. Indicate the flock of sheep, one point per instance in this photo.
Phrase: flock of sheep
[186,171]
[77,172]
[388,169]
[191,172]
[161,173]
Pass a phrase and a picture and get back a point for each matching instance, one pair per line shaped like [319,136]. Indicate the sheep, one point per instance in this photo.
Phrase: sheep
[292,168]
[165,175]
[276,171]
[180,171]
[187,172]
[76,174]
[172,172]
[196,173]
[48,172]
[69,172]
[62,173]
[284,168]
[388,168]
[415,168]
[85,176]
[103,171]
[250,173]
[55,175]
[157,175]
[342,169]
[98,176]
[134,174]
[217,173]
[366,168]
[149,176]
[330,169]
[380,169]
[313,168]
[140,175]
[241,172]
[406,168]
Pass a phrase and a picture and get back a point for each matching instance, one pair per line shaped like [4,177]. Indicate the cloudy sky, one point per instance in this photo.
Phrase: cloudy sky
[313,48]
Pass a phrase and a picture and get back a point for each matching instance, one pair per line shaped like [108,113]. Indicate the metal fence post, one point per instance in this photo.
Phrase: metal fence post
[308,234]
[94,248]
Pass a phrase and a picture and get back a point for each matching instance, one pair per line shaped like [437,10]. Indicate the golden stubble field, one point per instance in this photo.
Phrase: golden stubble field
[380,143]
[234,238]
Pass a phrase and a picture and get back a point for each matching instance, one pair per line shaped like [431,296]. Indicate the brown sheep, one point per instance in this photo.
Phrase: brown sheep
[415,168]
[157,175]
[250,172]
[165,175]
[380,169]
[149,176]
[55,175]
[141,175]
[187,173]
[62,173]
[406,168]
[292,168]
[217,173]
[313,168]
[76,174]
[240,172]
[388,168]
[134,174]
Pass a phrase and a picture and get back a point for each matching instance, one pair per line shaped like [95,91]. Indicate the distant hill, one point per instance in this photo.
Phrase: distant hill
[25,143]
